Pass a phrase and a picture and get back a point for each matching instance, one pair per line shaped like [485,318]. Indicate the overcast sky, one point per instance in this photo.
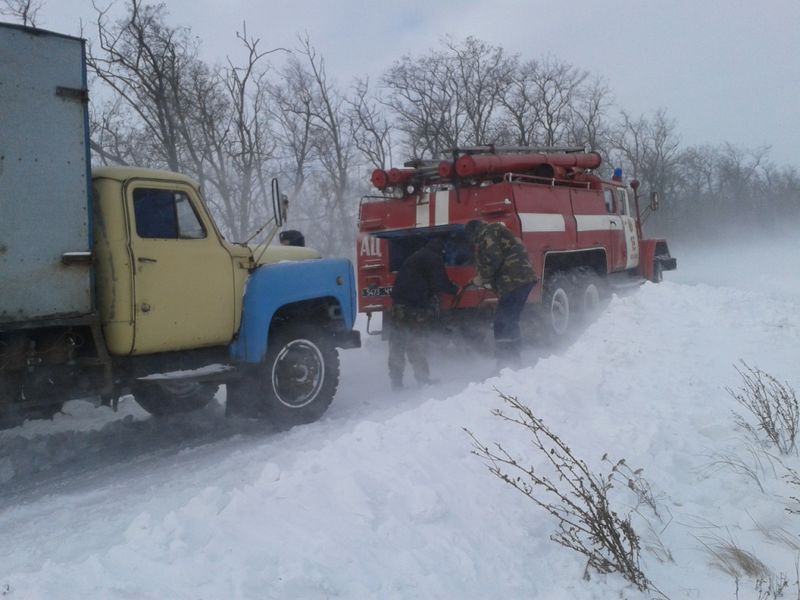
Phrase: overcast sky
[725,70]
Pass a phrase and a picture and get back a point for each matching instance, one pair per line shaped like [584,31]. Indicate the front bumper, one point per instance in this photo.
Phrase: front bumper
[667,263]
[347,339]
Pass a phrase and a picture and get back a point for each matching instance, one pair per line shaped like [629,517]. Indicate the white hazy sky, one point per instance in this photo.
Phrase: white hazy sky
[726,70]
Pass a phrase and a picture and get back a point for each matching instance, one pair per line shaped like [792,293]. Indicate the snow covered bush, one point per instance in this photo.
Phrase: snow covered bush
[578,499]
[774,406]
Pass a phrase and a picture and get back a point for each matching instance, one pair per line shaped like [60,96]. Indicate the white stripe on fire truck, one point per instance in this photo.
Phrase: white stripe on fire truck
[441,215]
[423,215]
[596,222]
[541,222]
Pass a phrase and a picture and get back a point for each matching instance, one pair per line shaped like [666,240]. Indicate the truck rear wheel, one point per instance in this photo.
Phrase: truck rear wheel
[12,415]
[173,397]
[556,308]
[19,402]
[590,294]
[296,382]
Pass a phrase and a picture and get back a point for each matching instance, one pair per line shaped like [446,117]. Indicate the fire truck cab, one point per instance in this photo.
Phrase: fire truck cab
[583,234]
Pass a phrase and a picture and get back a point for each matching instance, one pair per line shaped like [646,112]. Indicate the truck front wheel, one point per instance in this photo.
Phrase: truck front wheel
[173,397]
[295,384]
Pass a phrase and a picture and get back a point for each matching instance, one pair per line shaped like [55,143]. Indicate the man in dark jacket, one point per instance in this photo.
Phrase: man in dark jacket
[420,278]
[504,266]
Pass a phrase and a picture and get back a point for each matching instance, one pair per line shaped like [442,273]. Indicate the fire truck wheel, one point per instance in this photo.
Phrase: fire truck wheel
[589,294]
[173,397]
[557,313]
[296,382]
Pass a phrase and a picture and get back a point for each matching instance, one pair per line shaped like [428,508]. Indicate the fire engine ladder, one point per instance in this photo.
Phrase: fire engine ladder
[493,149]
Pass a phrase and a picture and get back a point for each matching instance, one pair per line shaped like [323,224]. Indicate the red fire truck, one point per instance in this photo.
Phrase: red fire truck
[583,234]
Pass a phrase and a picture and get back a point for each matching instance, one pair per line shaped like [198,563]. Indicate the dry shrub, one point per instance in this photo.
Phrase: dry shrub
[738,563]
[573,495]
[774,406]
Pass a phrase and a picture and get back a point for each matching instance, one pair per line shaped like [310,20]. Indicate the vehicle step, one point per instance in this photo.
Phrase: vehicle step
[215,372]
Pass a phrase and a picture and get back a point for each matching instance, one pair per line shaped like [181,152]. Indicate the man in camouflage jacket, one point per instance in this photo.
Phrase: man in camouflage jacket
[504,266]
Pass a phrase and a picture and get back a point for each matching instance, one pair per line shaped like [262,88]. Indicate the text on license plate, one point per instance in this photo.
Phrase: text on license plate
[376,291]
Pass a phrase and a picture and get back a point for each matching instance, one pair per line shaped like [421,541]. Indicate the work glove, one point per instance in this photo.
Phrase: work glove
[478,282]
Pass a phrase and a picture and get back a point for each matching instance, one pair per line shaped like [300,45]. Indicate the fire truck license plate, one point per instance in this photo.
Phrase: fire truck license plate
[376,291]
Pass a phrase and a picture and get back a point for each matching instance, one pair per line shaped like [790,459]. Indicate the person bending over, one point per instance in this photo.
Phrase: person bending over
[503,266]
[421,277]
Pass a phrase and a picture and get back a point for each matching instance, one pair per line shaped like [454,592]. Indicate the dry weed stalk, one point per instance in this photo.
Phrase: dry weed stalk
[575,496]
[773,404]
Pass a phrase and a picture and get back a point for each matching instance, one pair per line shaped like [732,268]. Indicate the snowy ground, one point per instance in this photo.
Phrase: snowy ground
[383,499]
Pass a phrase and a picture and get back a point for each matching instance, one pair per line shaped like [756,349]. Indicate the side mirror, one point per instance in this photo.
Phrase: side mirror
[654,200]
[279,203]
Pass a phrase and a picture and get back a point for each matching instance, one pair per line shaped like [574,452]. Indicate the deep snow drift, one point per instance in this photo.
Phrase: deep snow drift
[383,498]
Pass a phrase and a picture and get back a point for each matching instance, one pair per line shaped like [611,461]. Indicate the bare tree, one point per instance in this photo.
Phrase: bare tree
[320,148]
[449,97]
[26,11]
[114,135]
[292,110]
[169,109]
[481,75]
[424,103]
[334,151]
[520,102]
[719,189]
[549,104]
[372,133]
[557,84]
[144,61]
[589,124]
[234,147]
[648,148]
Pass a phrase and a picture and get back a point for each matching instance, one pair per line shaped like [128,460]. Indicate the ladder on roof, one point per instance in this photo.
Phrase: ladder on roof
[494,149]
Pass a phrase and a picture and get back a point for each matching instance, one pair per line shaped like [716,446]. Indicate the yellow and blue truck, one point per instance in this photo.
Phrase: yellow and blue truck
[116,280]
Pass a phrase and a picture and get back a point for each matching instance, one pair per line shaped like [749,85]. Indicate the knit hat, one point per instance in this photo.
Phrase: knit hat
[292,237]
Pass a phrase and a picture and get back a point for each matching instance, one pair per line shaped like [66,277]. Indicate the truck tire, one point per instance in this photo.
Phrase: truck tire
[296,382]
[14,413]
[589,294]
[556,311]
[174,397]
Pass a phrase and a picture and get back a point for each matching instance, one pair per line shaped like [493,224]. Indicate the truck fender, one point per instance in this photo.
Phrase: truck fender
[648,251]
[271,287]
